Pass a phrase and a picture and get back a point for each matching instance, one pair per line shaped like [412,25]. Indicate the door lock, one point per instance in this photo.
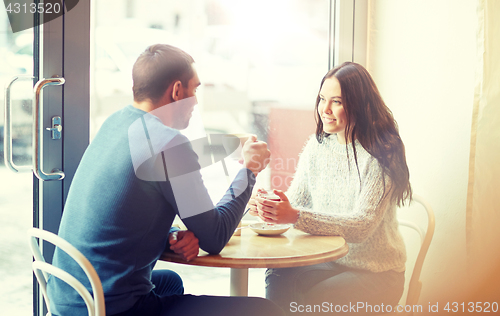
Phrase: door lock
[56,127]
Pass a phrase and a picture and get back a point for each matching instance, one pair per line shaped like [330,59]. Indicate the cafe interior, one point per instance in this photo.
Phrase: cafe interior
[435,62]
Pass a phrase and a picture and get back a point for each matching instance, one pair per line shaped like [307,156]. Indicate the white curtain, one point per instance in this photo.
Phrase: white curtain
[483,196]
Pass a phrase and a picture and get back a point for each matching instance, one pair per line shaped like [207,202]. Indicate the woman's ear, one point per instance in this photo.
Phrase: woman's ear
[177,91]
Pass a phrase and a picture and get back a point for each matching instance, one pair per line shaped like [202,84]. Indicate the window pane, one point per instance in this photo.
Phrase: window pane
[260,63]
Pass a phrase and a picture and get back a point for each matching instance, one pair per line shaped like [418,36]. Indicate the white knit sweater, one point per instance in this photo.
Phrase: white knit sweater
[333,201]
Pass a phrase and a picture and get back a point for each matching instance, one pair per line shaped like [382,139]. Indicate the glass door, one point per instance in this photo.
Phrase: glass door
[51,57]
[16,180]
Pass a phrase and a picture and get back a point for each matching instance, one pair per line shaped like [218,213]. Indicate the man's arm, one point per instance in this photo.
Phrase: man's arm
[213,226]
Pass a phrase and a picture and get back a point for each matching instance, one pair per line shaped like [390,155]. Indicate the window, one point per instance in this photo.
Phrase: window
[260,63]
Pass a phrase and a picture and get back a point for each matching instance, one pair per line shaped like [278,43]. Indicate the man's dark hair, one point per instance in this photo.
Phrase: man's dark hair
[156,68]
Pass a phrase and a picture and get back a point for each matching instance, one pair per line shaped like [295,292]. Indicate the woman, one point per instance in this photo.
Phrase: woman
[348,182]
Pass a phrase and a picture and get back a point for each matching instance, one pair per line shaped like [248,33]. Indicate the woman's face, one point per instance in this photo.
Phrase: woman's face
[331,109]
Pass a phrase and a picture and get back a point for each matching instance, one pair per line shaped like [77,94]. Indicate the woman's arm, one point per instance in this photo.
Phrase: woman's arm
[356,225]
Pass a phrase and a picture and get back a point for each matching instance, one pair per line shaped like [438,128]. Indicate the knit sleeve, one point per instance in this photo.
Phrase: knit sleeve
[298,193]
[354,225]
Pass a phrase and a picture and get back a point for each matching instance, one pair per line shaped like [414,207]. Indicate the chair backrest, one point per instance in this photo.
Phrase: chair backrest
[95,304]
[415,284]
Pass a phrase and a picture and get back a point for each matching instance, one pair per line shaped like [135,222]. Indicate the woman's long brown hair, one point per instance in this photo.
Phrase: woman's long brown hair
[371,122]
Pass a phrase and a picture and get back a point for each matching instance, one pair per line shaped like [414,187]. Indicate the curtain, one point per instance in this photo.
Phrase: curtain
[483,194]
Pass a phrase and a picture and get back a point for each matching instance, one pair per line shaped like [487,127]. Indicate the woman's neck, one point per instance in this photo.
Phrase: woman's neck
[342,139]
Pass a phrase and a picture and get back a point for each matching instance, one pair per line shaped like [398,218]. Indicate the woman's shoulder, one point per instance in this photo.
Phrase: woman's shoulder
[309,142]
[311,146]
[367,163]
[362,152]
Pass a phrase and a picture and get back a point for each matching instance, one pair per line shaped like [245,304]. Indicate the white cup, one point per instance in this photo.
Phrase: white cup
[269,196]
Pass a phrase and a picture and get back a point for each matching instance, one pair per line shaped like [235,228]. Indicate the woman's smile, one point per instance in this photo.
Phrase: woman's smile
[327,120]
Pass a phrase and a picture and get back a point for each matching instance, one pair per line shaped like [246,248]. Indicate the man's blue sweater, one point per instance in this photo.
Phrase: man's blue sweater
[121,222]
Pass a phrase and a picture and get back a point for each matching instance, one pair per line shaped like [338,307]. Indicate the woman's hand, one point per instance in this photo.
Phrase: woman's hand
[252,203]
[277,212]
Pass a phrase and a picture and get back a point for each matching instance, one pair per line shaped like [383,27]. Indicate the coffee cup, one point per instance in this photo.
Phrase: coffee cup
[269,196]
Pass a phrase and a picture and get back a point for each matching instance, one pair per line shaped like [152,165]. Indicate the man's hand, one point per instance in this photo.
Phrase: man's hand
[256,156]
[184,243]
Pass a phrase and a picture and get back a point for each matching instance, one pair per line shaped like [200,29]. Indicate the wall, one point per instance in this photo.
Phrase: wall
[422,55]
[483,210]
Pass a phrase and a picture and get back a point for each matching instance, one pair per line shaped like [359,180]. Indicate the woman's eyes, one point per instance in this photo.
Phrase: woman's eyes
[337,102]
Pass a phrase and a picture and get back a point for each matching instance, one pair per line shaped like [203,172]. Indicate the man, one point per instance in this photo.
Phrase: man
[138,174]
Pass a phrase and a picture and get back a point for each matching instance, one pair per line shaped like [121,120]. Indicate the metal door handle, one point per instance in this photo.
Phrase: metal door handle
[55,174]
[7,136]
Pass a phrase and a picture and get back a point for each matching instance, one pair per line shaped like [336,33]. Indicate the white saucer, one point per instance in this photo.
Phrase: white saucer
[267,229]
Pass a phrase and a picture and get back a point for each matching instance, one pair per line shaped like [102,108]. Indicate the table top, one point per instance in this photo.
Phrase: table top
[294,248]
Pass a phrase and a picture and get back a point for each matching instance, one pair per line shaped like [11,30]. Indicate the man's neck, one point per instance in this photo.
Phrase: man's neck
[146,106]
[161,112]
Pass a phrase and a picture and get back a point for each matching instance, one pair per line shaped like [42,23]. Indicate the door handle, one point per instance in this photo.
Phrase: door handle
[38,129]
[7,136]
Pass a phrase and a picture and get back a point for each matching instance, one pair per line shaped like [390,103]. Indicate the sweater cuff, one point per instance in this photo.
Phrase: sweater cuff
[300,223]
[251,176]
[173,229]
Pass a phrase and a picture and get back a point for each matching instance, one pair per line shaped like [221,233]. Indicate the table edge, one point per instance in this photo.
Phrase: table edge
[267,262]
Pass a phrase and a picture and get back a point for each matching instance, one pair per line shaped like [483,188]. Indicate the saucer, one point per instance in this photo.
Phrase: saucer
[267,229]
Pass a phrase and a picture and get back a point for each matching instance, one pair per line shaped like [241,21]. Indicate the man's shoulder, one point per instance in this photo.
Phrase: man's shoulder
[119,119]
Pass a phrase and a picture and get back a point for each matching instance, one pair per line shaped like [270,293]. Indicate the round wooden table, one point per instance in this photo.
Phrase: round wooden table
[294,248]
